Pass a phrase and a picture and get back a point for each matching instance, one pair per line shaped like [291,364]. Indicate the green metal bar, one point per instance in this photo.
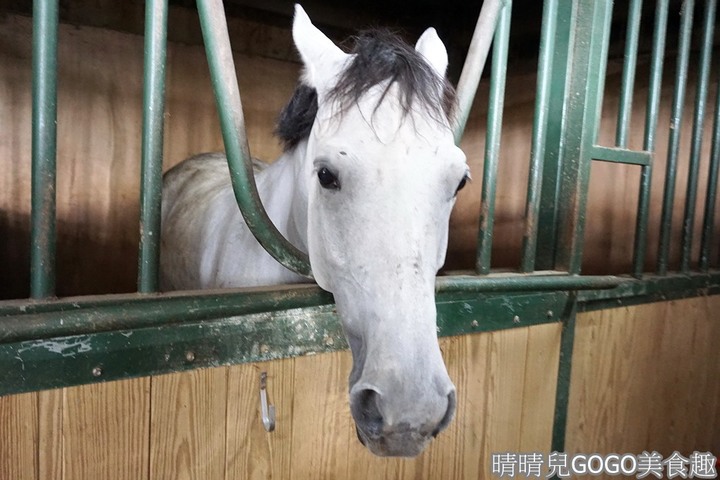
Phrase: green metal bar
[120,354]
[525,283]
[44,148]
[539,134]
[620,155]
[652,288]
[475,62]
[227,97]
[697,135]
[553,155]
[562,388]
[251,300]
[651,116]
[498,76]
[143,311]
[686,14]
[628,75]
[585,95]
[712,187]
[156,14]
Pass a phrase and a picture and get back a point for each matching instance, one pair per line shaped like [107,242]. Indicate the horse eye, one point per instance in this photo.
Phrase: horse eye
[328,179]
[462,184]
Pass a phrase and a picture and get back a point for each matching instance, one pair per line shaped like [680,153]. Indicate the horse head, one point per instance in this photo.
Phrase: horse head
[381,172]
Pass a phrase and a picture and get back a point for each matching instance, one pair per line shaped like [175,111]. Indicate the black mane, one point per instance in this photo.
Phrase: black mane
[379,56]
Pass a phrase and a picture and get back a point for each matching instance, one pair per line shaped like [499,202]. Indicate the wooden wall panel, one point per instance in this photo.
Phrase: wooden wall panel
[646,378]
[19,436]
[205,424]
[187,427]
[106,431]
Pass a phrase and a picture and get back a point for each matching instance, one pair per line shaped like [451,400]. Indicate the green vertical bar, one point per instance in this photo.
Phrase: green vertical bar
[712,185]
[492,141]
[697,135]
[44,148]
[156,12]
[628,75]
[651,116]
[562,388]
[547,220]
[674,141]
[539,134]
[583,109]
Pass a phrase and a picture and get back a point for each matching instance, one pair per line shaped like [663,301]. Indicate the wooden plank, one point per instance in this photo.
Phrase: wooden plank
[251,451]
[18,437]
[645,378]
[538,400]
[106,430]
[454,454]
[50,446]
[321,420]
[187,426]
[506,370]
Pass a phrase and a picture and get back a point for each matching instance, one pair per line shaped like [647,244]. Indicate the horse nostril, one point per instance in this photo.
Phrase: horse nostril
[448,414]
[365,407]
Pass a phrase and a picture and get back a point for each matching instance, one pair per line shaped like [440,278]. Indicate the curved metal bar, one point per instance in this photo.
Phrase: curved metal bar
[475,61]
[232,122]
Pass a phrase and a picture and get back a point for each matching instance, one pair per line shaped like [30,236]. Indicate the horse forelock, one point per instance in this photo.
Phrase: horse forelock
[379,57]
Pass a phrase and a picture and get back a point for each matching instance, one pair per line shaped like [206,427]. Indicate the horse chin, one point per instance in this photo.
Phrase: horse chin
[401,443]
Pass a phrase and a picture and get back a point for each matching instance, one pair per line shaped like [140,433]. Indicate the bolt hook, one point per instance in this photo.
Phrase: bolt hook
[267,412]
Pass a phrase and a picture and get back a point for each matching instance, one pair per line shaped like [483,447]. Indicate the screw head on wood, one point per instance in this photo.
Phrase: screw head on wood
[97,371]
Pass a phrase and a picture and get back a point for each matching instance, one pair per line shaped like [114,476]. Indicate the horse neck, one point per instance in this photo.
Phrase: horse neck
[283,190]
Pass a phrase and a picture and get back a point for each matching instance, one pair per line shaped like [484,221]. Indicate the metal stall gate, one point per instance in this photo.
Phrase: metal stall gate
[123,336]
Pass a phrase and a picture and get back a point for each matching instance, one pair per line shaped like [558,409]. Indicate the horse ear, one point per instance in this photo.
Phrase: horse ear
[433,50]
[321,57]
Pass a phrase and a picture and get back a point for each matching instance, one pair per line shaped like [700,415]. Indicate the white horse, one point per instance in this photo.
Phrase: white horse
[365,187]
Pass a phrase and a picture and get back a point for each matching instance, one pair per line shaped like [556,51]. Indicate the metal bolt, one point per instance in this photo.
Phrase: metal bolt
[264,349]
[549,314]
[474,323]
[516,319]
[97,371]
[190,356]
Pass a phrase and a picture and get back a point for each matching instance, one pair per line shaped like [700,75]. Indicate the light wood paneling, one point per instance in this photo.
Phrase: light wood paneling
[50,446]
[19,436]
[252,453]
[105,430]
[646,378]
[187,427]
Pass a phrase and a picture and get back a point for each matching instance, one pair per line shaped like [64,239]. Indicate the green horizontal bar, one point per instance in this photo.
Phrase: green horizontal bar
[620,155]
[652,288]
[114,355]
[525,283]
[123,312]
